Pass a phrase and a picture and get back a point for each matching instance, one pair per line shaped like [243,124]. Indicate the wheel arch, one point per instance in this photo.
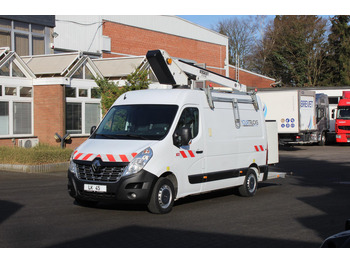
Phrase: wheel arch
[171,176]
[254,165]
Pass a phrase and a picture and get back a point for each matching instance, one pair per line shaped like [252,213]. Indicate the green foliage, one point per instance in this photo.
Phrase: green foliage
[337,67]
[110,91]
[296,52]
[41,154]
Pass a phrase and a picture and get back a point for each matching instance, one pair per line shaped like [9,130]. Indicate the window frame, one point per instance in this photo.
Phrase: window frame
[13,32]
[78,84]
[11,99]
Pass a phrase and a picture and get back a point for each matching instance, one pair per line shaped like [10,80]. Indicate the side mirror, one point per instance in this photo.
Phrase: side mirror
[92,130]
[333,111]
[183,138]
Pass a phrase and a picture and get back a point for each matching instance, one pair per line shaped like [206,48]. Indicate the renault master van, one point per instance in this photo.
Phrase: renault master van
[156,146]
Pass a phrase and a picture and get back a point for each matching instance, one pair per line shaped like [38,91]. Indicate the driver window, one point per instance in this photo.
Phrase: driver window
[189,118]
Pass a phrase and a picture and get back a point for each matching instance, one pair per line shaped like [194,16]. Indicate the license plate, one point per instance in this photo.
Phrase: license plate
[95,188]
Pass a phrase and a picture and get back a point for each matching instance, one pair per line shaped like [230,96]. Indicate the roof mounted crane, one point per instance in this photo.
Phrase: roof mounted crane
[176,72]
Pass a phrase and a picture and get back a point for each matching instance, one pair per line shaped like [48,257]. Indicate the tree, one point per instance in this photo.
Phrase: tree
[337,67]
[294,49]
[240,33]
[110,91]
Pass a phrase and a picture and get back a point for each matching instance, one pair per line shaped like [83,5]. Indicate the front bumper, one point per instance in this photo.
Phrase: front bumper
[133,188]
[342,138]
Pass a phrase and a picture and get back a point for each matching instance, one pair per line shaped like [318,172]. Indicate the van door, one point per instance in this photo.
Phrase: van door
[189,157]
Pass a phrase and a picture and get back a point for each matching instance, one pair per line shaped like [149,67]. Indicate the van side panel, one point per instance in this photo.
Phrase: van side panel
[231,148]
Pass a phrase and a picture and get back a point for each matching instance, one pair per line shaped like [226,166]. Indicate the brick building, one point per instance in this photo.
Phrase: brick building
[121,36]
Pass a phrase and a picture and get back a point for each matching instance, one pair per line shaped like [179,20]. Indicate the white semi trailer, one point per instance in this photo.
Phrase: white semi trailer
[302,116]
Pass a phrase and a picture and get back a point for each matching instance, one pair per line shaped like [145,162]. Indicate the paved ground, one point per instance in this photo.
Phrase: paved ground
[298,211]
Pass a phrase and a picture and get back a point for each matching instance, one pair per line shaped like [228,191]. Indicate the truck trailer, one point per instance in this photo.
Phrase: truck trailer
[302,116]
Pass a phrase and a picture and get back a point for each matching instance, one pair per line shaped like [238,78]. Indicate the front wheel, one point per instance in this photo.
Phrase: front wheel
[162,198]
[250,185]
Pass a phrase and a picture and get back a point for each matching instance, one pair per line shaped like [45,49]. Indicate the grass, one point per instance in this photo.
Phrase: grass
[41,154]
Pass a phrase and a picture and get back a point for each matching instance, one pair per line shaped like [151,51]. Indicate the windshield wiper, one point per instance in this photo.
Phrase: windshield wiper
[122,135]
[136,136]
[107,136]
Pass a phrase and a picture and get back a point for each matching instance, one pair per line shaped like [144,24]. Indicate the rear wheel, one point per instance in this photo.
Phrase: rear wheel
[323,139]
[162,198]
[250,185]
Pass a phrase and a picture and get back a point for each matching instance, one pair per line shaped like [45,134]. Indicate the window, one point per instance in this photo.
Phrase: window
[38,45]
[5,70]
[73,118]
[82,109]
[70,91]
[137,122]
[24,38]
[83,72]
[83,93]
[5,39]
[25,92]
[11,69]
[16,72]
[22,118]
[22,44]
[16,111]
[4,118]
[189,118]
[92,116]
[10,91]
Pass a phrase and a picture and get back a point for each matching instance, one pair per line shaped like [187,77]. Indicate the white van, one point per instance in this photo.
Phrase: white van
[156,146]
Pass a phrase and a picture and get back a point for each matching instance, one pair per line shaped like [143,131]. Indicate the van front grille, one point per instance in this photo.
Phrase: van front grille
[105,174]
[344,127]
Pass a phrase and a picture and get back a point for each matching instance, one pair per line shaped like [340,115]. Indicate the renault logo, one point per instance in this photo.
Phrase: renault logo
[96,166]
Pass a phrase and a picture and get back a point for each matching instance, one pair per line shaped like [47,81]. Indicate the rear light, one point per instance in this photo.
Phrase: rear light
[297,137]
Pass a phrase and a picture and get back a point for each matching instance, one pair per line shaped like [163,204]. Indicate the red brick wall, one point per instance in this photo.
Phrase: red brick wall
[136,41]
[49,112]
[251,80]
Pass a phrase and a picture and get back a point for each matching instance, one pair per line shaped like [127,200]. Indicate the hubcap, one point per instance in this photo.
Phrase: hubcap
[164,196]
[251,184]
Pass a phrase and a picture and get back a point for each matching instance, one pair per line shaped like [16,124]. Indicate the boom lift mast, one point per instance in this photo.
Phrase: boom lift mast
[178,73]
[175,72]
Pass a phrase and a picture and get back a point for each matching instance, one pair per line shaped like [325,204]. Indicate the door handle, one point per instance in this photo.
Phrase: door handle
[199,152]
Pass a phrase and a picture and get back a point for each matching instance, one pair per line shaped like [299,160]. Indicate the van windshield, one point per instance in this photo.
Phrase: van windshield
[137,122]
[343,112]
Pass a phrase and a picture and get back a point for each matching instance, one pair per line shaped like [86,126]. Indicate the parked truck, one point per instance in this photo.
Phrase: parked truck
[302,116]
[342,122]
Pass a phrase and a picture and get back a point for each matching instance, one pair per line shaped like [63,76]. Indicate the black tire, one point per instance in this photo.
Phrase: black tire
[162,198]
[323,139]
[250,186]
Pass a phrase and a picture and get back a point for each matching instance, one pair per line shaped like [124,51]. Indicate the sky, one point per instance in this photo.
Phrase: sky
[207,21]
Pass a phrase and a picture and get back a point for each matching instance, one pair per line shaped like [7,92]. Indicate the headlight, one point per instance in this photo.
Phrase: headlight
[139,162]
[72,165]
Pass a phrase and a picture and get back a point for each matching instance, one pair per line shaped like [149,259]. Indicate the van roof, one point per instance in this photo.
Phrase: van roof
[162,96]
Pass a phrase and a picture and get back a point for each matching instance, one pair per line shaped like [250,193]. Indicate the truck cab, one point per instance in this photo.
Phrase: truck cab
[342,122]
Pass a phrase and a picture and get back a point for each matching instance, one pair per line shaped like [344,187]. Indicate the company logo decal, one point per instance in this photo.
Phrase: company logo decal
[96,166]
[250,122]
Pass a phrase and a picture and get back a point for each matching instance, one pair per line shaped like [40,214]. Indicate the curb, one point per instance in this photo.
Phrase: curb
[55,167]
